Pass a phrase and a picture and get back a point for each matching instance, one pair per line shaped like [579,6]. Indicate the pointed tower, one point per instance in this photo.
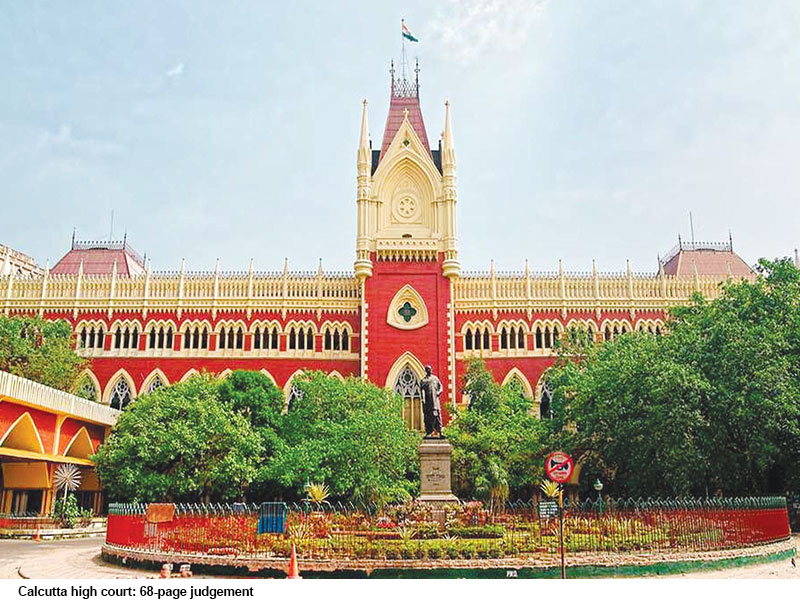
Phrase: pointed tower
[406,251]
[406,192]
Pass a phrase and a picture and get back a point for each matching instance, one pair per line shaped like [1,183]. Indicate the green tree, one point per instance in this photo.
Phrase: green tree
[713,405]
[179,443]
[497,440]
[348,434]
[40,350]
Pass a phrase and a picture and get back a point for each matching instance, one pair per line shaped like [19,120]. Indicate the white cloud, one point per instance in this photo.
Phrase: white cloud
[64,141]
[175,71]
[465,29]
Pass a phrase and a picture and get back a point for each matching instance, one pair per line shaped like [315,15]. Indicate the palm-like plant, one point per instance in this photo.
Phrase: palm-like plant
[68,478]
[550,488]
[317,493]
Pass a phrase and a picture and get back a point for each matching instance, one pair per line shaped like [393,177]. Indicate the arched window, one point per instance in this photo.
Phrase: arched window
[126,337]
[292,339]
[468,340]
[239,339]
[295,393]
[407,385]
[345,340]
[121,395]
[520,339]
[155,384]
[539,339]
[274,340]
[337,340]
[487,343]
[88,389]
[310,339]
[257,338]
[503,339]
[328,340]
[545,401]
[548,340]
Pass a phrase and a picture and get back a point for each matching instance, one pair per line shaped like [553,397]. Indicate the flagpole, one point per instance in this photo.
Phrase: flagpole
[403,52]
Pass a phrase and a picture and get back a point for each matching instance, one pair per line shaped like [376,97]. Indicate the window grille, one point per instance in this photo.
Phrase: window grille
[121,396]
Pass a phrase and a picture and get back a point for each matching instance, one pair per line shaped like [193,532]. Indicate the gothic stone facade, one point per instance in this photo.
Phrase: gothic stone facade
[406,304]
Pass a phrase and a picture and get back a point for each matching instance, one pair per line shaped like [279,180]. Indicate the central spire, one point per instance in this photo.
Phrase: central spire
[404,101]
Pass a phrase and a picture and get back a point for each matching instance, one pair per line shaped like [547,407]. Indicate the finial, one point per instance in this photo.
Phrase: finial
[183,266]
[447,135]
[416,75]
[730,240]
[527,268]
[363,142]
[286,265]
[796,259]
[680,246]
[319,267]
[74,229]
[594,268]
[405,113]
[125,237]
[391,70]
[250,268]
[216,267]
[560,267]
[491,267]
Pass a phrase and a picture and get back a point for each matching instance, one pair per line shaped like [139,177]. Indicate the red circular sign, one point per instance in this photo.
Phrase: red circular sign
[559,466]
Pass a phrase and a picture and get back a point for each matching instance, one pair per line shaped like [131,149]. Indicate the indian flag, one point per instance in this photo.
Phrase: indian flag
[408,35]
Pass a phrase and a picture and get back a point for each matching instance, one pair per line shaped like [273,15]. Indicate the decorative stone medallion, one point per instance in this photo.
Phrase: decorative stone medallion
[407,309]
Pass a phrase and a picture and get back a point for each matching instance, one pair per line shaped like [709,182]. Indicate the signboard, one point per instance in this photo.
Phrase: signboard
[548,509]
[558,466]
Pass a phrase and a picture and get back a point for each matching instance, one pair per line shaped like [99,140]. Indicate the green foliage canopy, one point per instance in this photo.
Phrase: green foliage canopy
[179,443]
[221,441]
[497,440]
[713,405]
[40,350]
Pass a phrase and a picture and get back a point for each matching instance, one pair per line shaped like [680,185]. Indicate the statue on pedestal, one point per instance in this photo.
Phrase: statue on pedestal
[431,387]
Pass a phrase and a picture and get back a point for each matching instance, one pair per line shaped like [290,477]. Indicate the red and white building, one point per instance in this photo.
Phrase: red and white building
[407,303]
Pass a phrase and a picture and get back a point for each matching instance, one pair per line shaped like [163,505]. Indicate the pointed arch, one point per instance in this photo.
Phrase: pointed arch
[112,382]
[516,374]
[336,374]
[287,387]
[269,376]
[150,379]
[190,373]
[224,375]
[23,435]
[85,378]
[407,358]
[80,446]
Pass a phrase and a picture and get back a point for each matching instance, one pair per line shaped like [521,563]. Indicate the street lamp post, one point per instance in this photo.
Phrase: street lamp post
[598,487]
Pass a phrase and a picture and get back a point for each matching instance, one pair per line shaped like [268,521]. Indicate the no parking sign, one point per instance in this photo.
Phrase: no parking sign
[558,466]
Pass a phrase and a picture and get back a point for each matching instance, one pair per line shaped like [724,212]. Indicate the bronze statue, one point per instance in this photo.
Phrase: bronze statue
[431,408]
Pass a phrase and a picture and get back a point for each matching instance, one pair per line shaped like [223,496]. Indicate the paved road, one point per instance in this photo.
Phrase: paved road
[80,559]
[59,559]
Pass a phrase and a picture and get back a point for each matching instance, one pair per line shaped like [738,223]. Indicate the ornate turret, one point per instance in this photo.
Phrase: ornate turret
[363,265]
[406,192]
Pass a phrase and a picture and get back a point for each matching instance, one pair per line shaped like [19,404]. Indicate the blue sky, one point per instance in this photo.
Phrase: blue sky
[584,129]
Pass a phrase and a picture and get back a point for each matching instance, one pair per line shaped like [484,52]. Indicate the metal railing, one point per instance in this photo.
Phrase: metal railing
[464,531]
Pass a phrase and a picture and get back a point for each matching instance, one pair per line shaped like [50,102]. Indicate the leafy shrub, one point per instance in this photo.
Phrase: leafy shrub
[392,553]
[451,550]
[69,514]
[478,532]
[435,552]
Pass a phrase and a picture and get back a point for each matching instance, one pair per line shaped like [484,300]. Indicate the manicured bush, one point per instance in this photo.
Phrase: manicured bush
[479,532]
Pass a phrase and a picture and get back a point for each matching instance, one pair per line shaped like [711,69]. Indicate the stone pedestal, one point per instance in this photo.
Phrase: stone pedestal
[434,471]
